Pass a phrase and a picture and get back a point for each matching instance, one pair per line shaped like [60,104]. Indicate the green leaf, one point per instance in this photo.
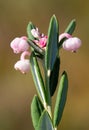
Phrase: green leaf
[36,110]
[52,43]
[71,27]
[29,28]
[45,122]
[36,48]
[61,99]
[54,76]
[37,78]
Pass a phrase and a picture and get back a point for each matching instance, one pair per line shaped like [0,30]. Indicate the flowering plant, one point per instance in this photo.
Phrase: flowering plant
[46,48]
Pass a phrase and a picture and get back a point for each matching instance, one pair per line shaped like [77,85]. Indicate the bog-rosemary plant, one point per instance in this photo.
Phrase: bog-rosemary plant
[46,48]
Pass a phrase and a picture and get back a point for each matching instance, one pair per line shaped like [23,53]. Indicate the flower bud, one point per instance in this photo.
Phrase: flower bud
[35,33]
[72,44]
[19,44]
[23,66]
[43,41]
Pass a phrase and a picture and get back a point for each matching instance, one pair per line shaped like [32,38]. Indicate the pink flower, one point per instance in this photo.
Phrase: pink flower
[19,44]
[23,64]
[72,44]
[41,42]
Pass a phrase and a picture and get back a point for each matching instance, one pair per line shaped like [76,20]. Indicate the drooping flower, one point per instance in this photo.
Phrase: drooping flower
[19,44]
[23,64]
[72,44]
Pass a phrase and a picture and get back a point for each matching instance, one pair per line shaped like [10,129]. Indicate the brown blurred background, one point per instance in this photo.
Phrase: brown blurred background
[17,90]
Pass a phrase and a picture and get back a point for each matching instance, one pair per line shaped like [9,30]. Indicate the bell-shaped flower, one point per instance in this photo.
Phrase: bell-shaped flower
[19,44]
[72,44]
[23,64]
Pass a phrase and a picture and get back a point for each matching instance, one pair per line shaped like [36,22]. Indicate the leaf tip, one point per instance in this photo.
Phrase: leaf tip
[65,74]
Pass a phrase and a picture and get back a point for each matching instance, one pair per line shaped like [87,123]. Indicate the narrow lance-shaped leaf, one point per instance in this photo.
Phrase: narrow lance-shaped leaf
[29,28]
[71,27]
[52,44]
[51,53]
[61,99]
[45,122]
[36,110]
[36,48]
[54,76]
[37,78]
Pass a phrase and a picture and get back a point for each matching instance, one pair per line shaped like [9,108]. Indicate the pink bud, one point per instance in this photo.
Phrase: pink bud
[19,44]
[43,41]
[23,66]
[72,44]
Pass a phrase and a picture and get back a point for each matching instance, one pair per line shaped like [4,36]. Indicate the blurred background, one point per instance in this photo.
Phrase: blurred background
[16,89]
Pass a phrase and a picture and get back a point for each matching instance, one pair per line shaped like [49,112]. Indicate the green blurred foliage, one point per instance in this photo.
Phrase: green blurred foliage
[17,90]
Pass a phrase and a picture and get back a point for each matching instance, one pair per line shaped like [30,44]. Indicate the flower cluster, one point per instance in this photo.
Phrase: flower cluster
[41,39]
[20,45]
